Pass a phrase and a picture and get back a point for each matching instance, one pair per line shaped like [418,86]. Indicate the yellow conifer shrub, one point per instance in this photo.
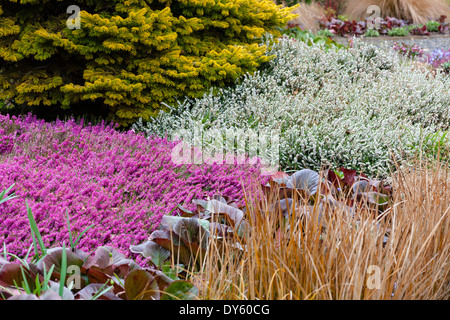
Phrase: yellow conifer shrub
[128,56]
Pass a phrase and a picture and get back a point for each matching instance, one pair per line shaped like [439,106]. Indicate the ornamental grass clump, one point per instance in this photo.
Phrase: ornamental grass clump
[418,11]
[120,182]
[325,254]
[358,108]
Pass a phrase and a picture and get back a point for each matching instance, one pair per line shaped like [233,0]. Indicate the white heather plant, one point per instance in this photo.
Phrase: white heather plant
[353,107]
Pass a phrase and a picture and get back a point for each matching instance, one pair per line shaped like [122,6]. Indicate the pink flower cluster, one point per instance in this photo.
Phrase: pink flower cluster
[121,182]
[438,58]
[409,51]
[6,142]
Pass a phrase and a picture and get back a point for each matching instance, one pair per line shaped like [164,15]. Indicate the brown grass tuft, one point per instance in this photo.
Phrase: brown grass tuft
[419,11]
[308,16]
[339,257]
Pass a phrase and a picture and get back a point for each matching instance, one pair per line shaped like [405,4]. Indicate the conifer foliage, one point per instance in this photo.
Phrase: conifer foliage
[128,56]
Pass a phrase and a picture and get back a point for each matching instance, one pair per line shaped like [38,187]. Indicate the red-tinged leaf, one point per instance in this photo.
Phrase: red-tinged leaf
[172,242]
[334,179]
[141,285]
[324,188]
[194,236]
[95,275]
[55,287]
[88,292]
[201,204]
[180,290]
[163,235]
[306,180]
[349,176]
[233,215]
[183,212]
[52,295]
[443,28]
[233,203]
[123,267]
[282,182]
[265,189]
[54,258]
[274,190]
[161,279]
[107,256]
[420,31]
[11,274]
[110,261]
[376,184]
[202,216]
[152,250]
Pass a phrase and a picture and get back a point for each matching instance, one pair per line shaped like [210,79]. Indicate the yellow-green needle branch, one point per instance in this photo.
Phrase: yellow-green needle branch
[129,55]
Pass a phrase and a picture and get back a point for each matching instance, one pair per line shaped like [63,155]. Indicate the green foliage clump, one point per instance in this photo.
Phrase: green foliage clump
[320,38]
[433,26]
[128,56]
[398,32]
[325,33]
[372,33]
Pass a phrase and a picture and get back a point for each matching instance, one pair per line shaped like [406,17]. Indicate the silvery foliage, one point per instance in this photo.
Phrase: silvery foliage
[357,107]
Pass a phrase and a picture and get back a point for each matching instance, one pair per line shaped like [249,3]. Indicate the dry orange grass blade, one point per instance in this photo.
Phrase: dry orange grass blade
[419,11]
[323,253]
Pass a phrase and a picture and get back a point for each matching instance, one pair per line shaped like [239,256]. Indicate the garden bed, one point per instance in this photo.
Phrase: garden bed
[137,215]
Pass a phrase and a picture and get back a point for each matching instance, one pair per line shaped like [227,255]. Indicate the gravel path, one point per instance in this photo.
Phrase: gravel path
[428,43]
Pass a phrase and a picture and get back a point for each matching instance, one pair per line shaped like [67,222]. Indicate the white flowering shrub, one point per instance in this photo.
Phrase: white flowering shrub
[358,108]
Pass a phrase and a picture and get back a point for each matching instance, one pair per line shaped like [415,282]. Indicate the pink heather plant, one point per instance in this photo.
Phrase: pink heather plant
[121,182]
[6,142]
[410,51]
[437,58]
